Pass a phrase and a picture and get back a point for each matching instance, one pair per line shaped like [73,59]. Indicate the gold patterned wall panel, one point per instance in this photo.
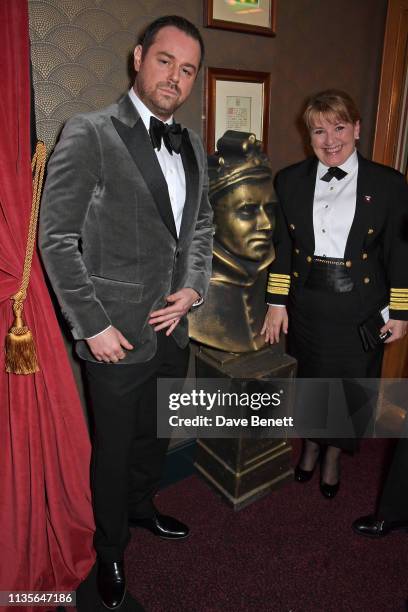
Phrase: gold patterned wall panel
[80,51]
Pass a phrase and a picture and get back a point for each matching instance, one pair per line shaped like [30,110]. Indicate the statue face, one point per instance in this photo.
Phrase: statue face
[244,220]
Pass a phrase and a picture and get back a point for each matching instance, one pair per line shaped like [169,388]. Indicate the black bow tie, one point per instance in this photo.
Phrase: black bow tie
[170,133]
[333,171]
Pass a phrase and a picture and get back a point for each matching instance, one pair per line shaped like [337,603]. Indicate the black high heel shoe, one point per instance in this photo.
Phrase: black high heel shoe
[302,475]
[329,491]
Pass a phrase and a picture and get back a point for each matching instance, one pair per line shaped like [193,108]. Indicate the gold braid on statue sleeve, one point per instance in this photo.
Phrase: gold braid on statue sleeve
[21,356]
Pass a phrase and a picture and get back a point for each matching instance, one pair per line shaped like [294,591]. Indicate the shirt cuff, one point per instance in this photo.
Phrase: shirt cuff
[99,333]
[278,305]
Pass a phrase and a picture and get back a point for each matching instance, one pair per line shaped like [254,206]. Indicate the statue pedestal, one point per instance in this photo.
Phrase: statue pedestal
[244,469]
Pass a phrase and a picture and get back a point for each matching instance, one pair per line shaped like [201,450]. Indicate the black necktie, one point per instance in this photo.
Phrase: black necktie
[333,171]
[170,133]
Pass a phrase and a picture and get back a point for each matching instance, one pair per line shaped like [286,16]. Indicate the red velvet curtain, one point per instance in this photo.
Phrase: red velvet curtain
[46,523]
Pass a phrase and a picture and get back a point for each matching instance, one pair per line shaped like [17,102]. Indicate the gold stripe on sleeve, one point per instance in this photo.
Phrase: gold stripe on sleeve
[399,291]
[278,283]
[394,306]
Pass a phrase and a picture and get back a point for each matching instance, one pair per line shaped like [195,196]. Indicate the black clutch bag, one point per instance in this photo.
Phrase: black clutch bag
[370,331]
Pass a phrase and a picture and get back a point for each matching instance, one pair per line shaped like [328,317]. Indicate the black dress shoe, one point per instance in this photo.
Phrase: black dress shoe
[373,527]
[111,583]
[165,527]
[329,491]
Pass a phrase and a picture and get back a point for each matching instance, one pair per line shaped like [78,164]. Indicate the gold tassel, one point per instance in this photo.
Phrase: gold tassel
[21,356]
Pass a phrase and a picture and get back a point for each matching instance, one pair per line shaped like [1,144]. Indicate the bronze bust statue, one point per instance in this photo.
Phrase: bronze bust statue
[243,199]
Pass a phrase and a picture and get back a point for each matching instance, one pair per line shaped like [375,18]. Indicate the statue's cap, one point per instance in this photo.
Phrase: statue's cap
[239,157]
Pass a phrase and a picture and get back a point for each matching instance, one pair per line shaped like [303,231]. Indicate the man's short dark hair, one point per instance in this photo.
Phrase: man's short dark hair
[148,36]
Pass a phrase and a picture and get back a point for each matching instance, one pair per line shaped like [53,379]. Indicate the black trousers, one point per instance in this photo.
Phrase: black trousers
[127,458]
[393,505]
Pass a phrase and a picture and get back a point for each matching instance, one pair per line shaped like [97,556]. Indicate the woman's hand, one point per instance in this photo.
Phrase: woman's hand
[397,328]
[276,320]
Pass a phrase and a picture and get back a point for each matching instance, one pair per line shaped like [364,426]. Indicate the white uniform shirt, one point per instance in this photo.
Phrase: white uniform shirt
[334,206]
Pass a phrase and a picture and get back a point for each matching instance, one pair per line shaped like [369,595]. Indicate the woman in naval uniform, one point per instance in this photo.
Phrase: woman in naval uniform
[341,259]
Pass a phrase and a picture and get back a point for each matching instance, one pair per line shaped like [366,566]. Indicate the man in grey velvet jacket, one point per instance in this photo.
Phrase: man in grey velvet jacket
[126,238]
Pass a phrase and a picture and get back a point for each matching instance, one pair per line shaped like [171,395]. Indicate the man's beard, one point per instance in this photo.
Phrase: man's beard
[154,100]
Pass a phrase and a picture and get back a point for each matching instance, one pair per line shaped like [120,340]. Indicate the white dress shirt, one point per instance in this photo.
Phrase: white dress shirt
[334,206]
[170,163]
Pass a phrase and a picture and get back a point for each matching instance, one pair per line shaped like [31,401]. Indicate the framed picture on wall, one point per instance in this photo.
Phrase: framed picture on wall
[236,100]
[256,16]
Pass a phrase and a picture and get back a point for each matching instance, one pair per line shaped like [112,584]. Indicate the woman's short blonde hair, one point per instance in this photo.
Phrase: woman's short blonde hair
[334,105]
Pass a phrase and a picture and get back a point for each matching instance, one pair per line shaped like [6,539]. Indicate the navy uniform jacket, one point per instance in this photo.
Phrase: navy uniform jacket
[376,253]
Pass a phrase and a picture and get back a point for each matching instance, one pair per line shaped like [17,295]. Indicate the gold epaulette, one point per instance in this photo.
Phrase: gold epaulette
[399,299]
[278,283]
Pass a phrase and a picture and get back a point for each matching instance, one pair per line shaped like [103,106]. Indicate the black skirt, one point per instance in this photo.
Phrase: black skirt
[323,336]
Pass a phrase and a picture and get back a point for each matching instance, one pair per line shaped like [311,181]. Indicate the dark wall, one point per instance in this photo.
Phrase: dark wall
[319,44]
[80,49]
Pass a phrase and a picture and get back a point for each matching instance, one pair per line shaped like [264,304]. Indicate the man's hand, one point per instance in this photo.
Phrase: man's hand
[276,320]
[108,346]
[179,305]
[397,328]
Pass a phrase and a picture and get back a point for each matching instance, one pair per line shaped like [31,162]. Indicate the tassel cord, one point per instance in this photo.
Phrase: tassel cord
[21,357]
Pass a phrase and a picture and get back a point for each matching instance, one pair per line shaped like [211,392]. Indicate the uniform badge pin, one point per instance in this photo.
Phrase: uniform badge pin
[367,198]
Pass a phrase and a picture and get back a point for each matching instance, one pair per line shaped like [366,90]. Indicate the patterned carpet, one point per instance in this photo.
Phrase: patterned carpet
[292,551]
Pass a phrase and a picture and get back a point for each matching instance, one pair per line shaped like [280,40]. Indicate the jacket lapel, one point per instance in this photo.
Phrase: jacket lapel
[303,202]
[363,214]
[136,139]
[191,173]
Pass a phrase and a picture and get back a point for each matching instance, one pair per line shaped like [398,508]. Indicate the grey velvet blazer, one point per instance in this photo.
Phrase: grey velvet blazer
[107,233]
